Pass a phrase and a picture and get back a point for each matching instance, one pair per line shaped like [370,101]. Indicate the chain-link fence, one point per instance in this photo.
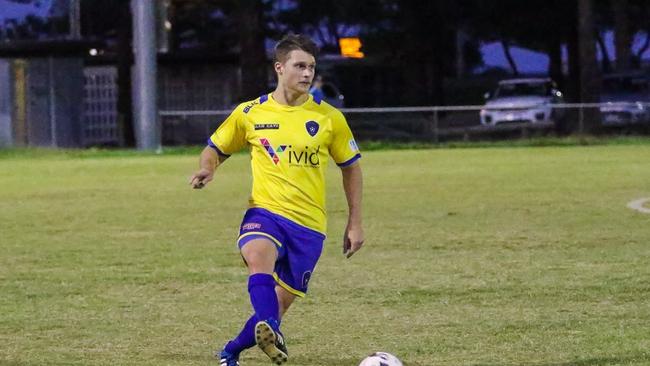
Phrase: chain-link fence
[100,124]
[449,123]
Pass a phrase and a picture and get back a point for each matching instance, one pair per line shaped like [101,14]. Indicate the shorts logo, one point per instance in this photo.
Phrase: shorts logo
[312,128]
[273,153]
[305,279]
[251,226]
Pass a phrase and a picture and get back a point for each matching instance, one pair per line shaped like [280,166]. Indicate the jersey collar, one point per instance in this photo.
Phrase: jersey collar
[289,107]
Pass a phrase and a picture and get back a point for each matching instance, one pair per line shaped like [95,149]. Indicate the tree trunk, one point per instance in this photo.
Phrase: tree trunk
[573,85]
[639,54]
[555,62]
[511,60]
[252,54]
[622,34]
[605,62]
[124,62]
[589,75]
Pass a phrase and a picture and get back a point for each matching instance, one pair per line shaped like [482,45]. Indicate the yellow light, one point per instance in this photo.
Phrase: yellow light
[350,47]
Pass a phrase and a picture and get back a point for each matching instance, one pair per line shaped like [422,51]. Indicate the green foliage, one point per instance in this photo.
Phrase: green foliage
[490,256]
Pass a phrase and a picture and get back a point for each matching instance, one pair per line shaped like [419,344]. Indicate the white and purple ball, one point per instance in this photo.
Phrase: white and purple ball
[381,359]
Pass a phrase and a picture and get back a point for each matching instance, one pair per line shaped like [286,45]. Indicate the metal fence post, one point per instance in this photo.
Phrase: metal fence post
[52,102]
[435,126]
[581,118]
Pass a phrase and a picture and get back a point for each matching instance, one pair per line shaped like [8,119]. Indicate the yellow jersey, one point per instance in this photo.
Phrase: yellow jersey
[290,147]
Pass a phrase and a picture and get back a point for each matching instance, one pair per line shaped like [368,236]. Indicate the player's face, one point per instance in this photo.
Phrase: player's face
[297,72]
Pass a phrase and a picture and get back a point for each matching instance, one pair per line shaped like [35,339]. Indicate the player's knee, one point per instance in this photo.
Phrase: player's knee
[260,256]
[259,262]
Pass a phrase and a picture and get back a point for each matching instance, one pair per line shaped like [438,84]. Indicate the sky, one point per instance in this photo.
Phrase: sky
[9,10]
[532,62]
[528,61]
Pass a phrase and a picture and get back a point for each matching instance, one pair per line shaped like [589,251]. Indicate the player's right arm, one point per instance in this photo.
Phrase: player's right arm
[229,138]
[208,163]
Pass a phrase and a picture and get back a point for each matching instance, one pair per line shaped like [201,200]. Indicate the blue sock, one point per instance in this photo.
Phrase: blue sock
[261,287]
[245,339]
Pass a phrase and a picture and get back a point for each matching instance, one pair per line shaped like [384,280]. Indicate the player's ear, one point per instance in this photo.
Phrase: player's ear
[278,67]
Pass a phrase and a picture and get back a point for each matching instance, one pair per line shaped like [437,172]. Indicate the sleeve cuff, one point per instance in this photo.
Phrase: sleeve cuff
[349,162]
[212,145]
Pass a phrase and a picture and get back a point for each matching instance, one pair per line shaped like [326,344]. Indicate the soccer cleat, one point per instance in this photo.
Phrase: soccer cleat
[227,358]
[271,342]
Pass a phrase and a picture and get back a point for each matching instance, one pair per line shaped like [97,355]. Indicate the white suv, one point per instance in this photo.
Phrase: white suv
[522,100]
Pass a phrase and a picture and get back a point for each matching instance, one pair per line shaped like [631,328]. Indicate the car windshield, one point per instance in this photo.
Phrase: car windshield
[521,89]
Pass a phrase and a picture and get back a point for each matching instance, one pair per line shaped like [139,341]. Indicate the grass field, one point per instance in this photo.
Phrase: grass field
[474,256]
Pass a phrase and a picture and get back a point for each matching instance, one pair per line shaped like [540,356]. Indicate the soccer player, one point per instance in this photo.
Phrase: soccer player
[290,135]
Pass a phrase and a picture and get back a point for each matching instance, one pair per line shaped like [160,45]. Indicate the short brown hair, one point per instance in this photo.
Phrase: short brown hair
[292,42]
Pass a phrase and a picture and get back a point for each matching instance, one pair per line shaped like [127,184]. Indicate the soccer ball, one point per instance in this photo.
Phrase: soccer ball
[381,359]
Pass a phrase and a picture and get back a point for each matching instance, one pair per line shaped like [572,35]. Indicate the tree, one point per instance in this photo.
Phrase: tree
[589,75]
[204,25]
[505,44]
[622,34]
[252,51]
[542,25]
[420,40]
[227,27]
[604,56]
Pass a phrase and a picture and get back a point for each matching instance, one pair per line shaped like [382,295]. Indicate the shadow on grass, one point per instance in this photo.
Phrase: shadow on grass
[623,360]
[202,357]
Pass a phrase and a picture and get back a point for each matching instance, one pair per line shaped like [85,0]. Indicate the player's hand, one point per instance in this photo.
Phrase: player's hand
[352,240]
[201,178]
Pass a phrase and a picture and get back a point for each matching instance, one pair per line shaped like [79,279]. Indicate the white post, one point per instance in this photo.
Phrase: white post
[147,128]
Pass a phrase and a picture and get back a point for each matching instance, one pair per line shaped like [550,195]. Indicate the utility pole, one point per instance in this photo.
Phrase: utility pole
[148,134]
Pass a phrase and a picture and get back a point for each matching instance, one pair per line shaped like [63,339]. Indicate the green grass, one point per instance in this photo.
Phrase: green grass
[477,256]
[569,141]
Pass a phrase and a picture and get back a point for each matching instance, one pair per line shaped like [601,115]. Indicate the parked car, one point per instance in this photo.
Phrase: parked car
[522,100]
[625,98]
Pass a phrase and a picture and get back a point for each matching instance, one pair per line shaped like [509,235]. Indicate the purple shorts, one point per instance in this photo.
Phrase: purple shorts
[299,247]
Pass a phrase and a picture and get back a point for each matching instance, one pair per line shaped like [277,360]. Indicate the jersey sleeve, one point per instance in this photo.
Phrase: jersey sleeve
[230,136]
[343,148]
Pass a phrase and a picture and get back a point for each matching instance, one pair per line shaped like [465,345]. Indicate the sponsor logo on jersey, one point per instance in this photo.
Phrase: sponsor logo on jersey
[273,153]
[305,157]
[251,105]
[267,126]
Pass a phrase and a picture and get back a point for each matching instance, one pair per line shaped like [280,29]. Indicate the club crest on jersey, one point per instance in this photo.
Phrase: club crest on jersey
[273,153]
[312,128]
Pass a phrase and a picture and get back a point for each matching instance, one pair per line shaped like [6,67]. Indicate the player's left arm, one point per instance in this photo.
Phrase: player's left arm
[353,186]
